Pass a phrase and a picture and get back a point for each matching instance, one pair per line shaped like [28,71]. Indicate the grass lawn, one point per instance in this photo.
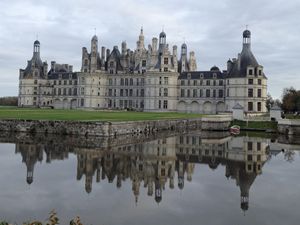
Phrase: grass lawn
[292,117]
[269,125]
[83,115]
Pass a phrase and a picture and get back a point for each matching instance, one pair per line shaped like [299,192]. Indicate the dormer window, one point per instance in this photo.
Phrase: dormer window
[214,75]
[201,75]
[250,71]
[189,76]
[259,72]
[166,61]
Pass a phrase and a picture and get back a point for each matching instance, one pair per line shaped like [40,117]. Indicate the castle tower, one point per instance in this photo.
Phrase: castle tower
[183,58]
[94,53]
[192,61]
[141,41]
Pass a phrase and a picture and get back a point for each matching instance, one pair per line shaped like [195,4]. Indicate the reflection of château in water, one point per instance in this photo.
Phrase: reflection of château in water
[158,163]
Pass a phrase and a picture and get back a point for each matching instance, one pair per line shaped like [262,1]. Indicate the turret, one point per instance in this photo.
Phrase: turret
[162,40]
[154,44]
[94,53]
[192,62]
[124,48]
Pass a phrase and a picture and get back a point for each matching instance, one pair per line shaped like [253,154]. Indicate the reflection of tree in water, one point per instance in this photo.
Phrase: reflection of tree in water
[289,155]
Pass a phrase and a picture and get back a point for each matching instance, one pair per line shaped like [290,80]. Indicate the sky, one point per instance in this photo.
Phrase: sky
[213,29]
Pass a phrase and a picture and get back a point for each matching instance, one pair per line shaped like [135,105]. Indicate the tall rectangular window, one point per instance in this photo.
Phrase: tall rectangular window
[182,92]
[166,61]
[165,104]
[250,81]
[250,92]
[259,93]
[259,106]
[166,80]
[166,92]
[250,106]
[208,93]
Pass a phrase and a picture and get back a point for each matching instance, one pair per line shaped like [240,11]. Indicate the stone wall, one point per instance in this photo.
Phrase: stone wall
[105,129]
[289,127]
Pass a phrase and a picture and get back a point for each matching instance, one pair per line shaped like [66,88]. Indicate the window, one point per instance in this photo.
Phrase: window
[166,92]
[250,146]
[220,93]
[259,106]
[109,92]
[110,82]
[250,92]
[159,104]
[142,92]
[258,146]
[188,93]
[182,92]
[195,82]
[259,81]
[126,81]
[160,80]
[75,91]
[165,104]
[207,93]
[214,82]
[227,92]
[194,93]
[259,93]
[166,80]
[259,72]
[65,82]
[208,83]
[250,72]
[250,81]
[70,82]
[122,81]
[65,91]
[214,93]
[144,63]
[166,61]
[54,82]
[131,81]
[250,106]
[130,92]
[182,82]
[201,93]
[82,102]
[121,92]
[165,69]
[220,82]
[249,157]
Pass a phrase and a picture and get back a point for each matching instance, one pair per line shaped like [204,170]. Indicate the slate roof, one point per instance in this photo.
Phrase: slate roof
[206,75]
[65,75]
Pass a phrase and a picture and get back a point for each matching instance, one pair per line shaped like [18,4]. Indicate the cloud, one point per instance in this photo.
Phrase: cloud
[211,28]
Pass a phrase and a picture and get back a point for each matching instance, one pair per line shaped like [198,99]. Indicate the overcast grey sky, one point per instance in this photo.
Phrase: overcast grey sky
[212,29]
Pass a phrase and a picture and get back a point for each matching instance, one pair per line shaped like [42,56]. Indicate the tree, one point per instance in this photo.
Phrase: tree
[291,100]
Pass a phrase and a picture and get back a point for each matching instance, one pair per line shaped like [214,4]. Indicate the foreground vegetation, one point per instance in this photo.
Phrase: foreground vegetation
[259,125]
[83,115]
[52,220]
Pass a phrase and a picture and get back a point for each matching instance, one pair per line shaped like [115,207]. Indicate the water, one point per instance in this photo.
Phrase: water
[196,178]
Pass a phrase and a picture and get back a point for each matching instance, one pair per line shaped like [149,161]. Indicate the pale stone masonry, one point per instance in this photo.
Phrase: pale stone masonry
[156,78]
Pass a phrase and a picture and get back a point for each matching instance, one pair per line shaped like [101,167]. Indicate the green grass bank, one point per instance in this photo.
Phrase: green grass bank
[91,115]
[256,125]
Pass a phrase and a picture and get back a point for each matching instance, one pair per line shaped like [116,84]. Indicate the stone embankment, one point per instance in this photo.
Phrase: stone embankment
[289,126]
[106,129]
